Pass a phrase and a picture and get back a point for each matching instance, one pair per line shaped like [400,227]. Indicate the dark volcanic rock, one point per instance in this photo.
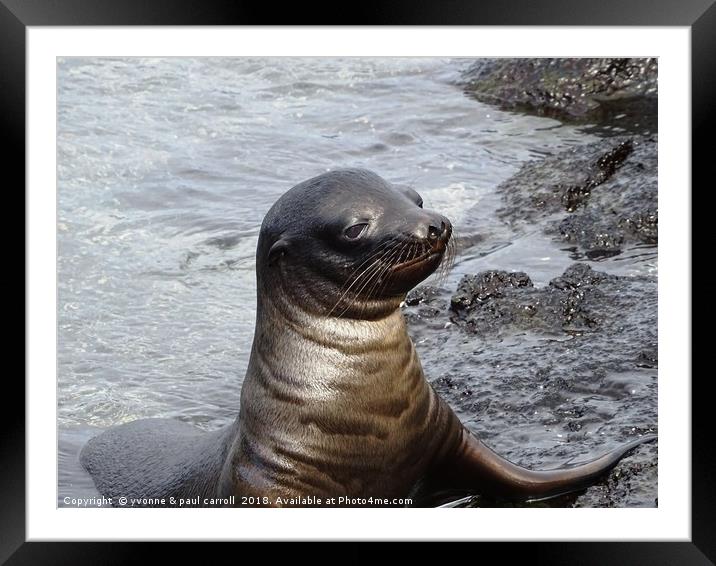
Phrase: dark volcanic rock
[483,302]
[476,289]
[623,91]
[428,301]
[579,301]
[426,294]
[551,375]
[604,192]
[629,485]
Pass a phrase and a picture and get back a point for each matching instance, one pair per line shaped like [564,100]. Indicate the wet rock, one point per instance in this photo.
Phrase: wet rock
[628,485]
[580,274]
[476,289]
[600,196]
[492,301]
[424,295]
[563,384]
[428,301]
[621,92]
[649,356]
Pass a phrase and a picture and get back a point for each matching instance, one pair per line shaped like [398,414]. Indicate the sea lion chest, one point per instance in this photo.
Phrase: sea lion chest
[335,411]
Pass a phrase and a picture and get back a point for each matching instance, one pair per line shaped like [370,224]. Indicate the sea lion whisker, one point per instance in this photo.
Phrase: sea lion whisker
[384,283]
[378,264]
[368,295]
[385,265]
[447,263]
[388,263]
[376,253]
[367,272]
[376,257]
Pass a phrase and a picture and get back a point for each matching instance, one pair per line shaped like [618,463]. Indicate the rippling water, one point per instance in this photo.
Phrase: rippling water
[166,168]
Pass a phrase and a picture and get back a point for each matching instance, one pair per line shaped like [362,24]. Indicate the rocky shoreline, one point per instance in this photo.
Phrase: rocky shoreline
[598,197]
[609,92]
[559,373]
[575,360]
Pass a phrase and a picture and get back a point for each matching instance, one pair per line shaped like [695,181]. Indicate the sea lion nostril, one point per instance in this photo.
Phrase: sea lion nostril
[434,233]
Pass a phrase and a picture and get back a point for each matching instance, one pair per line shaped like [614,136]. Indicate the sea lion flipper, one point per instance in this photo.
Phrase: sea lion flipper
[154,459]
[476,466]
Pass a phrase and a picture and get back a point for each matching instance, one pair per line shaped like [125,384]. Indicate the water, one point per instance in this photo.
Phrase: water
[166,168]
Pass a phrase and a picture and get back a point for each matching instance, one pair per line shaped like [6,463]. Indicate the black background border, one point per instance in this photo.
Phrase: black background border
[16,15]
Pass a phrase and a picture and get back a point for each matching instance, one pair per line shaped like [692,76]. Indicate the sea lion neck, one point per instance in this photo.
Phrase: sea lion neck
[313,300]
[283,325]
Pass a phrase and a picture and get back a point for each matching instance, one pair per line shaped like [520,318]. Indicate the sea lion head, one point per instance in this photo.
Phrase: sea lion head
[349,244]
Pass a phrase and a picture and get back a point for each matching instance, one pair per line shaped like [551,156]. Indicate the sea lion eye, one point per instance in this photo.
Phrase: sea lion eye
[420,203]
[354,232]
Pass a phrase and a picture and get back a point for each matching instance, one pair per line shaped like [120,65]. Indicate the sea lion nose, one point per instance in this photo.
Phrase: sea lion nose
[434,232]
[433,228]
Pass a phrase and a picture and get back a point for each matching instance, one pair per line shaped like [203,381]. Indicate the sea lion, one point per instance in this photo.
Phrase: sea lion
[334,406]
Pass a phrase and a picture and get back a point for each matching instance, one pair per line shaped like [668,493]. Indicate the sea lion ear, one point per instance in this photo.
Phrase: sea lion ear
[411,193]
[277,251]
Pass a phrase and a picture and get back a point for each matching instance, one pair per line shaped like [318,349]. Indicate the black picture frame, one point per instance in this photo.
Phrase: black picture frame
[17,15]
